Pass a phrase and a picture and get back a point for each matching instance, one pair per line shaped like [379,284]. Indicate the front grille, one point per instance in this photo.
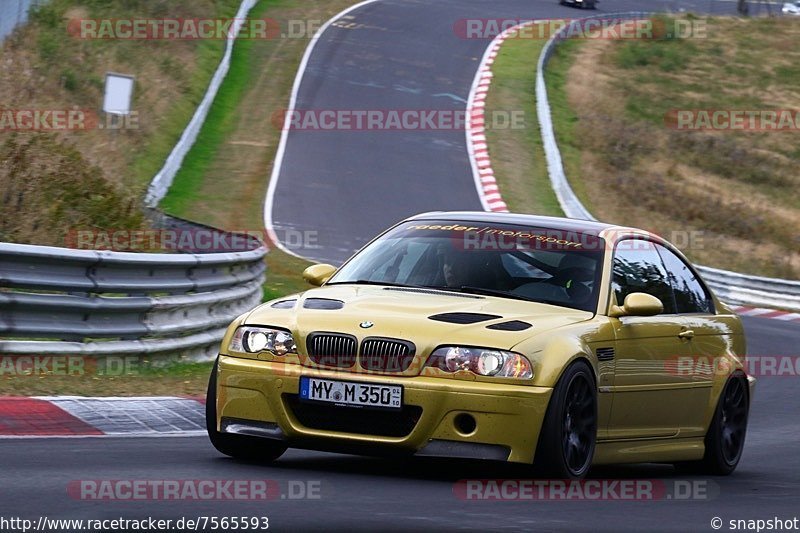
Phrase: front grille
[332,349]
[386,355]
[362,421]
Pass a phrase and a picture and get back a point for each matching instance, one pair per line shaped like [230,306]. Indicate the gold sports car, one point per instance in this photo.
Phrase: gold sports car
[547,341]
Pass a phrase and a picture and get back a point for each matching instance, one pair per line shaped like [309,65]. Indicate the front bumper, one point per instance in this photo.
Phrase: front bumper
[260,398]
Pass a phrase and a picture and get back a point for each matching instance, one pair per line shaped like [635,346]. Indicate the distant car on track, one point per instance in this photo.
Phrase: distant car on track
[791,8]
[547,341]
[585,4]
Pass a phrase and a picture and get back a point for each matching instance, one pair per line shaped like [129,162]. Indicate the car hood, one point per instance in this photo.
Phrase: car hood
[400,313]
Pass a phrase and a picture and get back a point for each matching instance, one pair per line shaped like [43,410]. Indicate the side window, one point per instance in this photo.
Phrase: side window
[638,268]
[690,295]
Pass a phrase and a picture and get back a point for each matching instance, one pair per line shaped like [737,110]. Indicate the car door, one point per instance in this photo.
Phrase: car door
[648,395]
[708,338]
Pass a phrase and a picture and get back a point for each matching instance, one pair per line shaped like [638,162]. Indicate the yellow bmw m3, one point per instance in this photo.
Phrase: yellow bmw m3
[546,341]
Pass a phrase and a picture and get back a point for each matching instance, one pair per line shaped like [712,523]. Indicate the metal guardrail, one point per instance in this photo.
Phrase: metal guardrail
[102,303]
[14,13]
[732,287]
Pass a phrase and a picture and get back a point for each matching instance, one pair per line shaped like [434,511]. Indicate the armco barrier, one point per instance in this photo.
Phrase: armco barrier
[735,288]
[14,13]
[65,301]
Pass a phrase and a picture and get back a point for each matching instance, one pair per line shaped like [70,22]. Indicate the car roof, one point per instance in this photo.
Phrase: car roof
[559,223]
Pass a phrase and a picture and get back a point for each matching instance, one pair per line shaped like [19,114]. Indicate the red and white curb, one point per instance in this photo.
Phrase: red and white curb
[761,312]
[477,148]
[75,416]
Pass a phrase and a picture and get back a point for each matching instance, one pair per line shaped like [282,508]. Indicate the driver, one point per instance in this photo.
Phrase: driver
[456,268]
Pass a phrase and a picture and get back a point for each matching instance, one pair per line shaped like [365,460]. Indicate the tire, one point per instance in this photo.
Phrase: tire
[726,434]
[252,449]
[569,432]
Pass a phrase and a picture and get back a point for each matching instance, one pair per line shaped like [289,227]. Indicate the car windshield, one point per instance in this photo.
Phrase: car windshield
[558,267]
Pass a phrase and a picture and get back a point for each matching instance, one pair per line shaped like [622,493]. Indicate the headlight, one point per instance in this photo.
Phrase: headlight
[481,361]
[255,339]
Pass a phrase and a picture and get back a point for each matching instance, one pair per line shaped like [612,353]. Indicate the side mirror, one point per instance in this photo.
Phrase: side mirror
[638,304]
[316,275]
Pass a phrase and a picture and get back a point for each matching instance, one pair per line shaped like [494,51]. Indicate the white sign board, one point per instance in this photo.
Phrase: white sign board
[119,94]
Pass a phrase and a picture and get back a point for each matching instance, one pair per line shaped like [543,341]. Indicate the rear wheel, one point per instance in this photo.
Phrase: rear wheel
[725,437]
[239,446]
[569,432]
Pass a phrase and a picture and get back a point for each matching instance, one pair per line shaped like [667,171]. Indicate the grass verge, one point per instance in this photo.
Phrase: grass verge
[517,156]
[47,66]
[139,379]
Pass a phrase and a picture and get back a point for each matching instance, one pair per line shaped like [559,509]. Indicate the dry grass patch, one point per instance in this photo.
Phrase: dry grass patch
[740,191]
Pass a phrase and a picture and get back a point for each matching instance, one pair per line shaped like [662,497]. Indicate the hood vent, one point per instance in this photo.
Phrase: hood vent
[511,325]
[322,303]
[284,304]
[463,318]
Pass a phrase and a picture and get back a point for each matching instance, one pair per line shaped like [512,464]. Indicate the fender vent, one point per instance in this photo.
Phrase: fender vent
[605,354]
[463,318]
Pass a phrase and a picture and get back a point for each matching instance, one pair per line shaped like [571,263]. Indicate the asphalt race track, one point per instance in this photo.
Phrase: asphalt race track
[357,493]
[346,186]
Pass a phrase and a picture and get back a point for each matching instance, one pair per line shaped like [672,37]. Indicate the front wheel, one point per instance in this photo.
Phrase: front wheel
[569,432]
[238,446]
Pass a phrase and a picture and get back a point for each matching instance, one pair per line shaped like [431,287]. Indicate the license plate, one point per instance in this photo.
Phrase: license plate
[351,393]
